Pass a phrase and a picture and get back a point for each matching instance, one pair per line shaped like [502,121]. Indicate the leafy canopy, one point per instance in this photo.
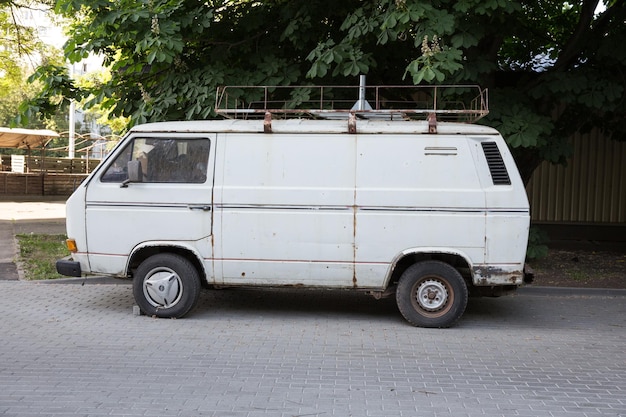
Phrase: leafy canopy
[552,67]
[20,50]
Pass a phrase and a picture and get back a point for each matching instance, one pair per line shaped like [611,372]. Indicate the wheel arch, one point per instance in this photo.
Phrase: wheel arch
[458,260]
[147,249]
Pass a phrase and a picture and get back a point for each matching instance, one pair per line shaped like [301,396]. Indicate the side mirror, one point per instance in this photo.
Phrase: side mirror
[135,173]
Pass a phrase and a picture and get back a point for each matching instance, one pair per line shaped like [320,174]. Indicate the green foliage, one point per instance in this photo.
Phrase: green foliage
[552,67]
[537,243]
[19,48]
[517,119]
[14,89]
[57,89]
[435,63]
[168,57]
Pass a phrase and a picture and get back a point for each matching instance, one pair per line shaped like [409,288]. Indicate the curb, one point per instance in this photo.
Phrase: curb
[572,291]
[86,280]
[530,291]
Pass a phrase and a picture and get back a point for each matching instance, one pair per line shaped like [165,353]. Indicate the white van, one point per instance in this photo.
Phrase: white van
[421,209]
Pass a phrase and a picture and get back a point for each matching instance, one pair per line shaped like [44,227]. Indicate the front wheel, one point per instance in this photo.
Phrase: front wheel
[431,294]
[166,285]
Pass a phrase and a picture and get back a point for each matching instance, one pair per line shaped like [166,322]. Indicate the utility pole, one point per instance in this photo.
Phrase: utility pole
[72,147]
[72,121]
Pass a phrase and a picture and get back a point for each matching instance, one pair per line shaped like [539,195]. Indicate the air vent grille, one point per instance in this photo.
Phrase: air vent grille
[499,174]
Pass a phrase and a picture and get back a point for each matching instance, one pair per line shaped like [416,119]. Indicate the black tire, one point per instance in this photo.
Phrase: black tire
[431,294]
[166,285]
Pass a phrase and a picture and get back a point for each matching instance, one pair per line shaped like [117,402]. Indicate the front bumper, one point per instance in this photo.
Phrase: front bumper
[68,267]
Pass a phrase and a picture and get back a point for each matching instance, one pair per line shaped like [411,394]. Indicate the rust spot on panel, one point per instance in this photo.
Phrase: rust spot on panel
[488,275]
[267,123]
[432,123]
[352,123]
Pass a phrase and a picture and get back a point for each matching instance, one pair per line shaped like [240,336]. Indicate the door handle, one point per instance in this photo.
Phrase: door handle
[203,207]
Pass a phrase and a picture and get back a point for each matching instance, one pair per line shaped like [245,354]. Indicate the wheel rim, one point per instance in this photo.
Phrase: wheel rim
[433,297]
[162,288]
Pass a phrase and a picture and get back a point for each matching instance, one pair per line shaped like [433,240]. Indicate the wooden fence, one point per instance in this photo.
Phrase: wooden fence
[47,176]
[39,183]
[37,164]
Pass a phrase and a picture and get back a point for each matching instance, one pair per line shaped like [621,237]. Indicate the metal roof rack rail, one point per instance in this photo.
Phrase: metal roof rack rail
[454,103]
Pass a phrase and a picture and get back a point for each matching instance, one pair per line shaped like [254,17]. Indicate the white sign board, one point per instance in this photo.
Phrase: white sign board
[18,163]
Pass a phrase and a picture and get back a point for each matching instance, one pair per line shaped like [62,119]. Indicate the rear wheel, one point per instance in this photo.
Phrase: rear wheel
[431,294]
[166,285]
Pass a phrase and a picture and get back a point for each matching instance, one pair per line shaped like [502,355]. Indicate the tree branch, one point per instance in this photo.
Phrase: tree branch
[572,47]
[18,35]
[606,17]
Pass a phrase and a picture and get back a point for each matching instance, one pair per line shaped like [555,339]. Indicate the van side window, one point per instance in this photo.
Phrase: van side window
[163,160]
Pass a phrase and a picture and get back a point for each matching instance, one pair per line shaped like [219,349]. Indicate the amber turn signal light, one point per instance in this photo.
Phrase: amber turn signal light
[71,245]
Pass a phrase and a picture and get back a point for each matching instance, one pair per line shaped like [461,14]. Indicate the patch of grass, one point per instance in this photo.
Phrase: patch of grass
[39,253]
[577,275]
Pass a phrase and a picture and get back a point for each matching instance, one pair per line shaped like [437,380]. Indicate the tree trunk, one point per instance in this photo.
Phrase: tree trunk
[527,161]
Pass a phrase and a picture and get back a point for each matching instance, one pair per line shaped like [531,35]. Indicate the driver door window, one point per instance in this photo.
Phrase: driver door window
[163,160]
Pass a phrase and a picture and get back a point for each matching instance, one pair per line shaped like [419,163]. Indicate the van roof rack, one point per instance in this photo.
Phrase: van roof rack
[454,103]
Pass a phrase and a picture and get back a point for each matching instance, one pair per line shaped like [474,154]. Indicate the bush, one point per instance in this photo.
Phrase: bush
[537,243]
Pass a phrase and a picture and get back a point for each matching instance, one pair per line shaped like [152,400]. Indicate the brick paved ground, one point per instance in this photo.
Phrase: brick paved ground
[77,350]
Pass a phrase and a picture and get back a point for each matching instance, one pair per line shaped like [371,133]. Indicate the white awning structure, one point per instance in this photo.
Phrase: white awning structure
[25,138]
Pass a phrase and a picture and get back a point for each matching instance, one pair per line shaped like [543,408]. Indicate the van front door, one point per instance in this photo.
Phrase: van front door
[169,204]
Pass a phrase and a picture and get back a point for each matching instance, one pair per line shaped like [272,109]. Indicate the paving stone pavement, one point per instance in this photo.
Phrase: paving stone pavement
[77,350]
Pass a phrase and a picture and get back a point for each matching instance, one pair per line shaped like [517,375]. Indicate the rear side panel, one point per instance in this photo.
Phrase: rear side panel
[508,214]
[415,192]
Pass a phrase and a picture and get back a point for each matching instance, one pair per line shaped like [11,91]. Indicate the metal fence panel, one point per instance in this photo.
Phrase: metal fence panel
[590,189]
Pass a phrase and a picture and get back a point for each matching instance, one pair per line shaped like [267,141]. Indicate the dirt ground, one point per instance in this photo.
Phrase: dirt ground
[586,268]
